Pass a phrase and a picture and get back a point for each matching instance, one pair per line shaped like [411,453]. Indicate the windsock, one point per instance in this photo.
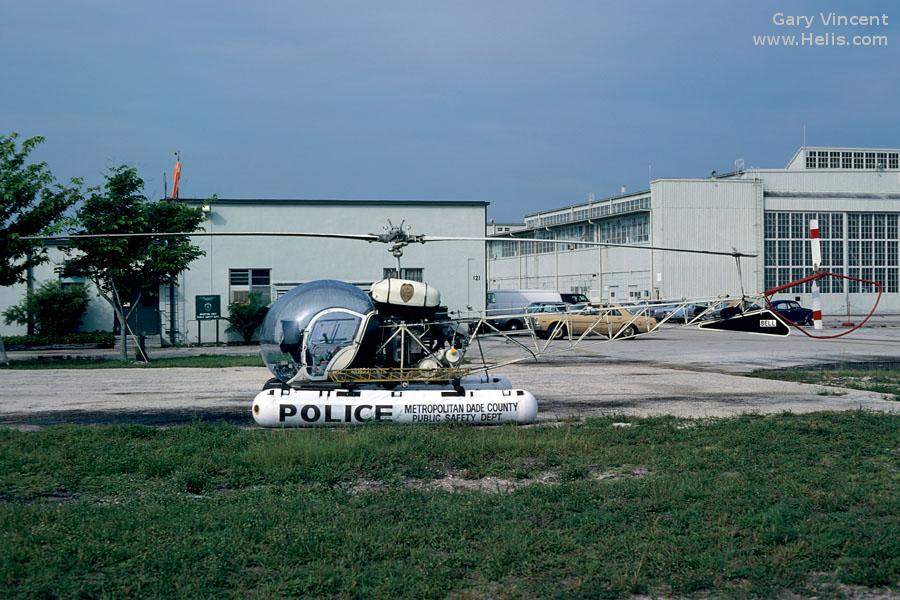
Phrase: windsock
[176,179]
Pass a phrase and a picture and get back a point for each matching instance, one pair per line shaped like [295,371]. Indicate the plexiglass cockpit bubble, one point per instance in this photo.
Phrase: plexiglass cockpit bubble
[306,328]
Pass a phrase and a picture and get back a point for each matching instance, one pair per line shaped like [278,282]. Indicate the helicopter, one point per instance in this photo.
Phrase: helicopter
[342,356]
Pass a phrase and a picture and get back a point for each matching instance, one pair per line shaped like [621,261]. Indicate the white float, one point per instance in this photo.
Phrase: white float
[311,408]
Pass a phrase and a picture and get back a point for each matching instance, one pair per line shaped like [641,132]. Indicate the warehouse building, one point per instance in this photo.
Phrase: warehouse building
[235,267]
[853,192]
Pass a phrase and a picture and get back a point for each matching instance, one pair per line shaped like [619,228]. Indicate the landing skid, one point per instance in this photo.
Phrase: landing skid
[477,401]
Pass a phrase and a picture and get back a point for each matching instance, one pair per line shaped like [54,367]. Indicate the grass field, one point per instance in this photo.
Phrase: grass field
[202,361]
[877,379]
[748,507]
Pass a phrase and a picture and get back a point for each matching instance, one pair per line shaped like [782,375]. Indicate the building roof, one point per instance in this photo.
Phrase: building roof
[588,203]
[336,202]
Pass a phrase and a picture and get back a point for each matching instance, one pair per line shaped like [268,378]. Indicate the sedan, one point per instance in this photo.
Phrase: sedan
[791,310]
[608,322]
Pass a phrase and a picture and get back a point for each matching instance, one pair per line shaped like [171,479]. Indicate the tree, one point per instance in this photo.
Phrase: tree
[31,202]
[126,268]
[246,317]
[55,309]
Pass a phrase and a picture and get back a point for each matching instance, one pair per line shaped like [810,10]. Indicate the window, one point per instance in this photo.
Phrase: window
[822,159]
[414,274]
[330,334]
[811,159]
[835,160]
[788,254]
[872,250]
[243,282]
[69,281]
[846,160]
[625,230]
[770,225]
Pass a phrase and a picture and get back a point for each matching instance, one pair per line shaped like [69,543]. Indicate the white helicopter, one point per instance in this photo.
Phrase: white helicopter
[342,356]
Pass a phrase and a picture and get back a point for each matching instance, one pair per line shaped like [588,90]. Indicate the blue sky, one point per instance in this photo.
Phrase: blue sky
[527,105]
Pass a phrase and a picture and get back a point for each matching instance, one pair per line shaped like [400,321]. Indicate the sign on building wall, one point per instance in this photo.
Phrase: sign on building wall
[208,307]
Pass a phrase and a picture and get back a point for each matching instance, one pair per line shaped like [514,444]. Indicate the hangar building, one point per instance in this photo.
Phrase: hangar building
[235,267]
[853,192]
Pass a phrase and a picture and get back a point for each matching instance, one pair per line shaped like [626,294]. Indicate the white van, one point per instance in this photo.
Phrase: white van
[514,302]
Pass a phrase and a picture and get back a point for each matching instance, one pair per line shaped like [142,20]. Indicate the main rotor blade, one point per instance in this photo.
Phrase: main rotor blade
[428,238]
[369,237]
[365,237]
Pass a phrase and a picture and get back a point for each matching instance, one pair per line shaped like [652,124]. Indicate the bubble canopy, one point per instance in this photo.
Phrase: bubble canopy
[289,317]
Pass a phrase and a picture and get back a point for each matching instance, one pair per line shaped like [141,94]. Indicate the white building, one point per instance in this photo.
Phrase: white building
[493,228]
[99,315]
[853,192]
[235,267]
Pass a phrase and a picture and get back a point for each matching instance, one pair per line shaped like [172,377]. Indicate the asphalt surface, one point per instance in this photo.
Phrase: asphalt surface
[680,372]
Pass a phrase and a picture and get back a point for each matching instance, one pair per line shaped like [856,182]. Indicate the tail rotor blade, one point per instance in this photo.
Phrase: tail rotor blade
[816,307]
[815,243]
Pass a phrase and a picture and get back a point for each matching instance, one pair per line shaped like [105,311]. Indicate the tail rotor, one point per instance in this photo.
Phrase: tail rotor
[816,247]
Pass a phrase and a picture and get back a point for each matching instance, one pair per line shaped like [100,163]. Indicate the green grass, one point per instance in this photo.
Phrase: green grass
[203,361]
[880,380]
[748,507]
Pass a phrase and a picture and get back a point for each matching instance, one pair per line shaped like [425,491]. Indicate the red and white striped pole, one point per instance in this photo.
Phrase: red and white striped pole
[816,246]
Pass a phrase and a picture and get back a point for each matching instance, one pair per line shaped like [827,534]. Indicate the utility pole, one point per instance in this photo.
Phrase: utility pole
[29,284]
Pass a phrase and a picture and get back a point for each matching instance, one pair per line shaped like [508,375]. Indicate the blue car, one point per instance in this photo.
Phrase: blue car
[792,310]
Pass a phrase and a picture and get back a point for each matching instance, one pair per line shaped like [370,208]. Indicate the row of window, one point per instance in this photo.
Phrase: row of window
[834,285]
[795,225]
[621,230]
[865,226]
[593,212]
[633,230]
[844,159]
[886,276]
[860,226]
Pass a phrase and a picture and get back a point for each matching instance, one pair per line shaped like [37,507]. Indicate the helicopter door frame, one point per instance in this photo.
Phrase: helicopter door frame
[343,356]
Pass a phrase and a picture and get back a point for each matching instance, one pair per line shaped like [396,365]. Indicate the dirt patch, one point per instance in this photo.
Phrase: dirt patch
[455,482]
[823,585]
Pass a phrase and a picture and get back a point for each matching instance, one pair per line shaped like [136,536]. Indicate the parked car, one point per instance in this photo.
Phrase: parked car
[507,305]
[678,313]
[599,321]
[546,307]
[575,299]
[792,310]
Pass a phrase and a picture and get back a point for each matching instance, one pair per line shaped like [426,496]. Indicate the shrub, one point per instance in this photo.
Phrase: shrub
[54,308]
[105,339]
[246,317]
